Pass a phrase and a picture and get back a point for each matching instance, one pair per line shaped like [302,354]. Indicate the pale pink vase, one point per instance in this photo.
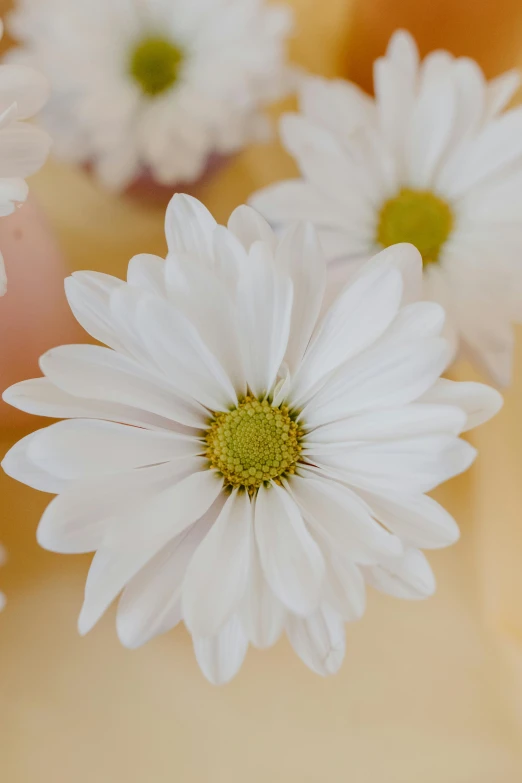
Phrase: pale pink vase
[147,188]
[34,315]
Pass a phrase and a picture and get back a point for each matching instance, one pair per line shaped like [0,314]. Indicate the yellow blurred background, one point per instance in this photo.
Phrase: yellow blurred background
[429,692]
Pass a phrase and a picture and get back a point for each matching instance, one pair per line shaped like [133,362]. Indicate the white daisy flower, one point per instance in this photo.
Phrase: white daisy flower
[23,148]
[238,458]
[433,160]
[155,85]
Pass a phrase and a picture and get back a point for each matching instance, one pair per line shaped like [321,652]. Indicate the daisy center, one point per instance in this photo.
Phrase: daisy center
[419,217]
[253,443]
[155,64]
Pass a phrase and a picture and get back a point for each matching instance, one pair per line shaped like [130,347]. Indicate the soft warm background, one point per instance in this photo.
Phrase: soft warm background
[429,693]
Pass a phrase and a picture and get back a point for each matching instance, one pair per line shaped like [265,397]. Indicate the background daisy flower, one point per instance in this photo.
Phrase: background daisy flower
[433,160]
[158,85]
[23,148]
[239,457]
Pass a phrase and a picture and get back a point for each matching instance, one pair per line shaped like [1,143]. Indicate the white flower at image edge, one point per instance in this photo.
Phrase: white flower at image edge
[434,160]
[156,86]
[23,148]
[242,457]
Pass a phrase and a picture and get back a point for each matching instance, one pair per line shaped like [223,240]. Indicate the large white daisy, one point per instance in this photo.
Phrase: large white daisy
[158,85]
[434,160]
[23,148]
[238,458]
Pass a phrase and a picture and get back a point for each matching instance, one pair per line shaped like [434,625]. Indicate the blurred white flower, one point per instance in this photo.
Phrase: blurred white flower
[238,458]
[154,85]
[23,148]
[434,160]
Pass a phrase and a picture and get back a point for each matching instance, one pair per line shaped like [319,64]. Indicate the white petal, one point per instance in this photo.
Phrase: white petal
[357,318]
[151,603]
[479,402]
[24,86]
[23,149]
[335,104]
[261,613]
[409,576]
[189,227]
[230,256]
[418,320]
[407,421]
[408,465]
[402,50]
[432,119]
[319,640]
[135,538]
[342,519]
[290,558]
[147,272]
[408,261]
[101,374]
[495,149]
[42,398]
[344,588]
[384,377]
[325,164]
[500,91]
[338,244]
[78,448]
[125,305]
[296,200]
[185,360]
[217,575]
[470,100]
[220,657]
[249,227]
[265,295]
[494,354]
[19,466]
[78,519]
[300,254]
[417,519]
[88,295]
[395,81]
[206,299]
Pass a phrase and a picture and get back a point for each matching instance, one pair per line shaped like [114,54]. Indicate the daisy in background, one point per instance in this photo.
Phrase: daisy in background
[238,457]
[434,160]
[23,148]
[154,85]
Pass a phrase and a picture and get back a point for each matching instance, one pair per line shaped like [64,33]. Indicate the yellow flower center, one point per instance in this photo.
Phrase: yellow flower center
[155,64]
[253,443]
[419,217]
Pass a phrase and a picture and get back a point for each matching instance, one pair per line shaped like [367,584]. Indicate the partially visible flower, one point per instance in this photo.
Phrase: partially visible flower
[155,85]
[433,160]
[238,458]
[23,148]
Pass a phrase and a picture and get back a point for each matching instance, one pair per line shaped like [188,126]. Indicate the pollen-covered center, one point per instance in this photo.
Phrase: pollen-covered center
[253,443]
[416,216]
[155,64]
